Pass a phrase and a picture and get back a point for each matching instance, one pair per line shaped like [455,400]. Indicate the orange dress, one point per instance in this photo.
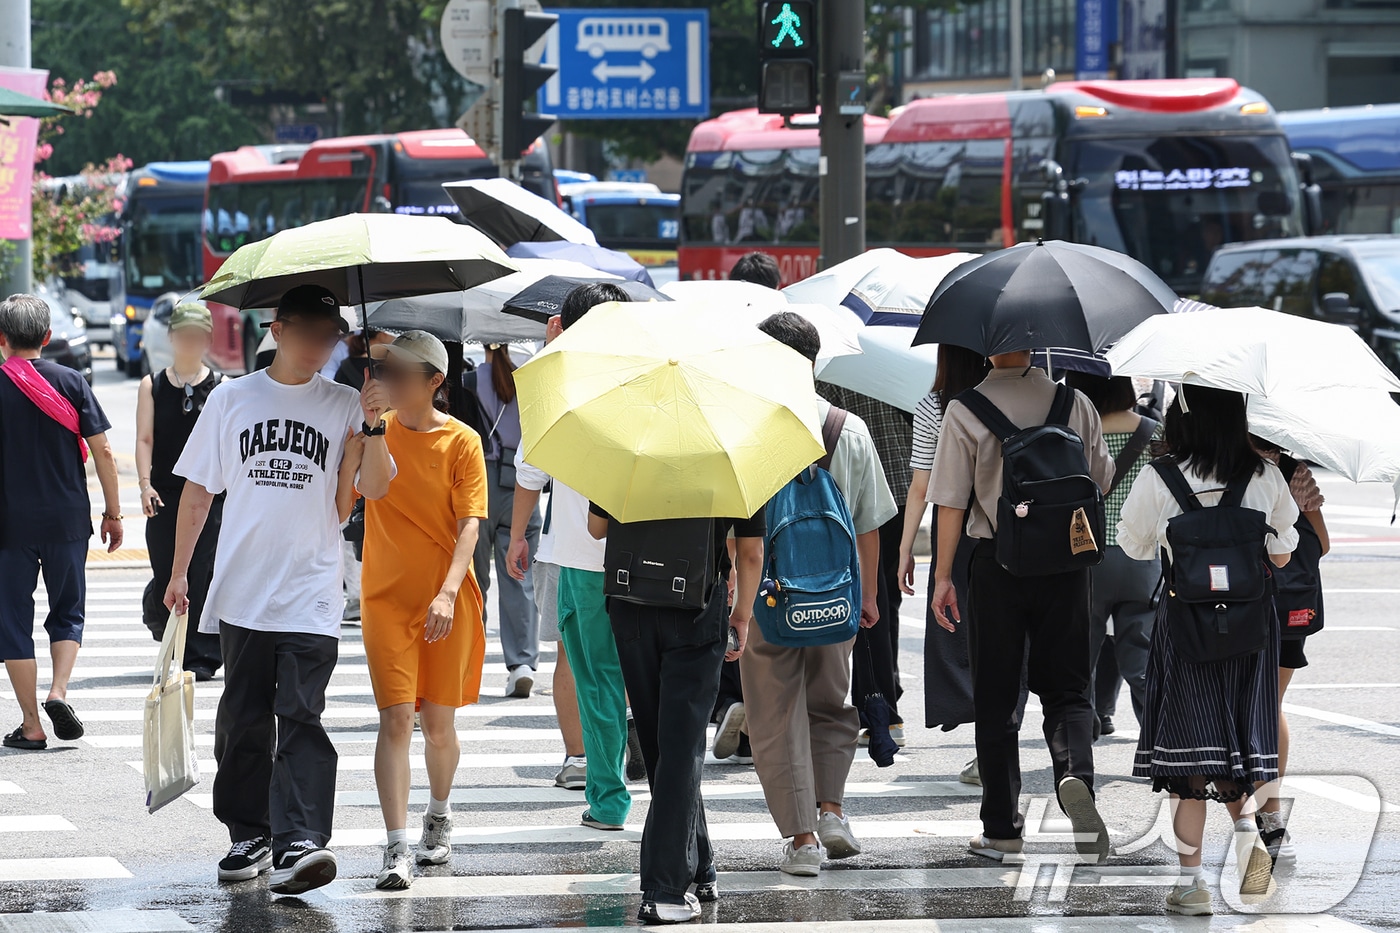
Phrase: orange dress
[410,535]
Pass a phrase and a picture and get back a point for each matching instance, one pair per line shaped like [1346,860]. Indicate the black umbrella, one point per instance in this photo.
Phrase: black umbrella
[543,299]
[874,708]
[1037,295]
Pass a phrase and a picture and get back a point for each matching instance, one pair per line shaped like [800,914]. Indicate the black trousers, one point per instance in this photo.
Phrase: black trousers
[1050,616]
[671,662]
[200,649]
[276,764]
[883,636]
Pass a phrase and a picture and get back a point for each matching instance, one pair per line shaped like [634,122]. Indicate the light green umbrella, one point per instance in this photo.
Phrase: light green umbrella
[15,104]
[360,258]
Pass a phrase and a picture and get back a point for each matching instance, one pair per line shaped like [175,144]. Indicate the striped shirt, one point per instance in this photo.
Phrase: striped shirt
[928,418]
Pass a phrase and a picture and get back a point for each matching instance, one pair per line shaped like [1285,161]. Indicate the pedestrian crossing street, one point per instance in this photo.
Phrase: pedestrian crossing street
[522,860]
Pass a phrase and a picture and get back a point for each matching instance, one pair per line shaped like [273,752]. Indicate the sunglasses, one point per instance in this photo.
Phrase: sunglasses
[188,403]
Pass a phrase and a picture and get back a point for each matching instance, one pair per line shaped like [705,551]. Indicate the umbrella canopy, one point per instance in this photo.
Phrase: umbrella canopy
[1250,350]
[15,104]
[888,368]
[1053,294]
[509,214]
[542,299]
[477,314]
[831,285]
[749,303]
[652,411]
[360,258]
[595,257]
[1354,432]
[896,291]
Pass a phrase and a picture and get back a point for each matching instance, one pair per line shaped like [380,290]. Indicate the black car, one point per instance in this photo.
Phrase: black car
[68,342]
[1350,280]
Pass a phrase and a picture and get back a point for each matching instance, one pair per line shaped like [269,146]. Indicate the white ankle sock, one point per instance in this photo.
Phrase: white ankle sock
[1190,874]
[398,835]
[1245,824]
[438,807]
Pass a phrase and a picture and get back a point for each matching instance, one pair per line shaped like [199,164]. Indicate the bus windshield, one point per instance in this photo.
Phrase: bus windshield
[162,245]
[1169,201]
[240,213]
[623,224]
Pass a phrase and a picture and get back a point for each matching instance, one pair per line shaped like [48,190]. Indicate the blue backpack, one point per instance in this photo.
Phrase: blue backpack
[810,593]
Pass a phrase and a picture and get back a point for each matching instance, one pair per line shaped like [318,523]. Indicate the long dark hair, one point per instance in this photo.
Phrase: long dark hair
[1107,395]
[959,369]
[1212,433]
[502,372]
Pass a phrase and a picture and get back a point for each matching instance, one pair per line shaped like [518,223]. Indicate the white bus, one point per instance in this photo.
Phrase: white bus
[598,35]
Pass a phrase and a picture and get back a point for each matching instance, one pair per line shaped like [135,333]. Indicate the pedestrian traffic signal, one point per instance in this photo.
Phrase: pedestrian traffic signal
[521,78]
[787,56]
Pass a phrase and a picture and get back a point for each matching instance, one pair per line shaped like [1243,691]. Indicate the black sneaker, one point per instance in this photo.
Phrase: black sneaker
[1106,726]
[302,867]
[707,885]
[203,673]
[653,911]
[636,764]
[744,754]
[246,860]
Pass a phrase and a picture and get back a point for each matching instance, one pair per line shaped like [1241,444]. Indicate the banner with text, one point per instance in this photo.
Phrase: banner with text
[18,137]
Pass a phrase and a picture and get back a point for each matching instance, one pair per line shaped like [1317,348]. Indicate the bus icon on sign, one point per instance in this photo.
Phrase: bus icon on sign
[598,35]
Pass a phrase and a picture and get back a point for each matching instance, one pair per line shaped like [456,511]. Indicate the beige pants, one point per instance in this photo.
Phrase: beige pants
[802,729]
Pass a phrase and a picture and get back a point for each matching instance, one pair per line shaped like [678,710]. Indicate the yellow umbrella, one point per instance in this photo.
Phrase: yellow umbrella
[659,411]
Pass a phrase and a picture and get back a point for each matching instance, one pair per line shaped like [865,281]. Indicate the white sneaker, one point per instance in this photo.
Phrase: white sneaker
[836,836]
[970,774]
[520,682]
[397,873]
[728,731]
[1003,850]
[1191,900]
[805,862]
[574,774]
[435,846]
[655,912]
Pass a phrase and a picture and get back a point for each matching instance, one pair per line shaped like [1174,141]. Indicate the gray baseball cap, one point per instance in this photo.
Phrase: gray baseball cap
[416,345]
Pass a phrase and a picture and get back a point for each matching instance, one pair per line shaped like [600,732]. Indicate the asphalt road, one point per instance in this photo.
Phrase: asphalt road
[79,846]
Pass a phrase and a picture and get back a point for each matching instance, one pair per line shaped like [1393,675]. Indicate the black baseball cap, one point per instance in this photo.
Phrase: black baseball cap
[310,301]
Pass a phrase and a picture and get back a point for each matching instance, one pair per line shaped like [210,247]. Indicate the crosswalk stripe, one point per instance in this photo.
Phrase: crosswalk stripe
[10,787]
[89,672]
[478,796]
[367,713]
[96,921]
[548,737]
[78,868]
[37,823]
[750,882]
[1245,923]
[719,832]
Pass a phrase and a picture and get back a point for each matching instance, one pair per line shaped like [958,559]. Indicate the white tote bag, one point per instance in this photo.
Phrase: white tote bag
[171,765]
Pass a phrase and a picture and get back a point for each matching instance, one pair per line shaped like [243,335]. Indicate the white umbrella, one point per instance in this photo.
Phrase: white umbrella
[746,304]
[509,214]
[1354,432]
[1250,350]
[884,292]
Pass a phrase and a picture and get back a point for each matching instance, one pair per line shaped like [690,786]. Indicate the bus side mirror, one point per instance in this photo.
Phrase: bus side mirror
[1055,202]
[1337,307]
[1311,193]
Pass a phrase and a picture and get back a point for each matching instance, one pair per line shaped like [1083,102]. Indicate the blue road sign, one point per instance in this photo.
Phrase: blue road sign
[644,64]
[1097,31]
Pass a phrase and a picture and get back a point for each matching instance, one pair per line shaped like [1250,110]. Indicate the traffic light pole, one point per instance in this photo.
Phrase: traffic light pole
[842,167]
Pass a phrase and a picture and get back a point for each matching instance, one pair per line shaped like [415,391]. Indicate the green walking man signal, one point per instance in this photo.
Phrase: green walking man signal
[790,22]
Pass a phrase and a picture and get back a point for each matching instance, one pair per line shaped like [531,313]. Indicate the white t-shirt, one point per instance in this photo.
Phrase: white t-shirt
[566,542]
[276,450]
[1142,525]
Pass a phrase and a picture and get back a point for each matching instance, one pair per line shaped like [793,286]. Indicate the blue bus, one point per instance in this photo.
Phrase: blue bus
[1355,154]
[163,203]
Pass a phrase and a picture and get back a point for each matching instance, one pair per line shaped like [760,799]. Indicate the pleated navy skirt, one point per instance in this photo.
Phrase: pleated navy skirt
[1209,724]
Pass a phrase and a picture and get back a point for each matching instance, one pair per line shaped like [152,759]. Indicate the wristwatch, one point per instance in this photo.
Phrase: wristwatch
[377,431]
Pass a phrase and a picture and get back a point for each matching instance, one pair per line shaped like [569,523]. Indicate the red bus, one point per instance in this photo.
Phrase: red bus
[1164,171]
[255,191]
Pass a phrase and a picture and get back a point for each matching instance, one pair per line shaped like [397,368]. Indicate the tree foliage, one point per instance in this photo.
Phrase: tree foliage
[377,63]
[163,108]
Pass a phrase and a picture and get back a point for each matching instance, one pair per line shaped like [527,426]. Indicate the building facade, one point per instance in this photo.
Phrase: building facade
[1297,53]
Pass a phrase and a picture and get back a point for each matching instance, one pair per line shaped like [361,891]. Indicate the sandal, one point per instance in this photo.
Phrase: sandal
[16,739]
[66,724]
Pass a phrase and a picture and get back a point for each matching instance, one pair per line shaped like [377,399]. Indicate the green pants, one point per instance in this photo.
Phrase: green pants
[602,699]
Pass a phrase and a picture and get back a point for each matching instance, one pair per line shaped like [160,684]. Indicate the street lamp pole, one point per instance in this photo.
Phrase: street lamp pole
[842,166]
[1016,52]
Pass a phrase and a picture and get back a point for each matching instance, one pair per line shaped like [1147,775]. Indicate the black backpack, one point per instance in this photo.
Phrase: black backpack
[1050,517]
[667,562]
[1298,585]
[1217,580]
